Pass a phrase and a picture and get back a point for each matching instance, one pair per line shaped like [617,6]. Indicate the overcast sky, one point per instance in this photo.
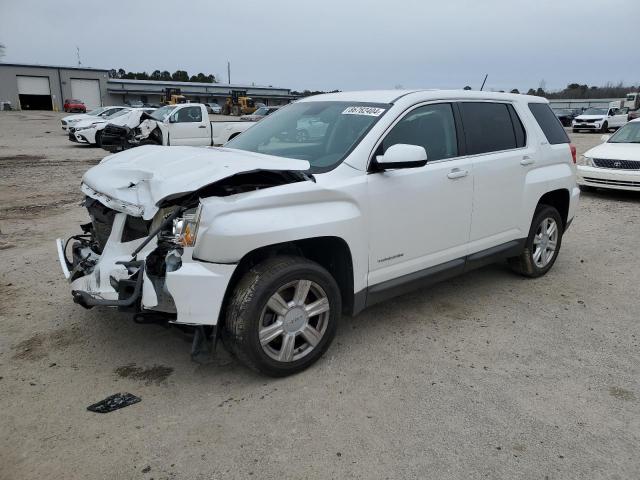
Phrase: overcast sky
[343,44]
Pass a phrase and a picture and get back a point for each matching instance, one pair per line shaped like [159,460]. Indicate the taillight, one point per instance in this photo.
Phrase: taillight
[573,152]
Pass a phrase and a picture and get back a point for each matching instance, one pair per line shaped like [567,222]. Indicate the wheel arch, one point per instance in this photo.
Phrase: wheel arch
[559,199]
[332,253]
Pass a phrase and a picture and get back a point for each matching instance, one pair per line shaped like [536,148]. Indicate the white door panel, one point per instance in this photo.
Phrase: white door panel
[191,127]
[419,217]
[499,180]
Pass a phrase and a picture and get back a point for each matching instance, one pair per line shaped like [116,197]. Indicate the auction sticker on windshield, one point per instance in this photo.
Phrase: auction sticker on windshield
[371,111]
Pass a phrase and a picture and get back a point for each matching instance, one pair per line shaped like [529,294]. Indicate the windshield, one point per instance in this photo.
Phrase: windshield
[562,112]
[595,111]
[323,133]
[97,111]
[630,133]
[162,113]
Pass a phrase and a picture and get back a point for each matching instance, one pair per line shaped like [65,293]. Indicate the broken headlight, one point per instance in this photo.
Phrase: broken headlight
[185,228]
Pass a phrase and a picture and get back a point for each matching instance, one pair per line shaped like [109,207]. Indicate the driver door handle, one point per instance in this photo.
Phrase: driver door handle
[526,160]
[202,126]
[457,173]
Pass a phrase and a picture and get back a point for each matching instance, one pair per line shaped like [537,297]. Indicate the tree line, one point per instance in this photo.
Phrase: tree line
[177,76]
[579,91]
[308,93]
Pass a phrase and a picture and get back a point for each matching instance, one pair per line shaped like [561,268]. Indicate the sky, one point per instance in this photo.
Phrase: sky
[338,44]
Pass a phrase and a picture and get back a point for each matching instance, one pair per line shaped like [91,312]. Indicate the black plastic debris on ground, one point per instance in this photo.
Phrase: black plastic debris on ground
[114,402]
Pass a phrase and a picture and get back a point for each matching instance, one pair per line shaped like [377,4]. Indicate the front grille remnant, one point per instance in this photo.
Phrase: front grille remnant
[621,164]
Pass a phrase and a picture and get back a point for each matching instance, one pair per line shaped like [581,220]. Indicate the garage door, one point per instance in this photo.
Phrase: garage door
[87,91]
[34,93]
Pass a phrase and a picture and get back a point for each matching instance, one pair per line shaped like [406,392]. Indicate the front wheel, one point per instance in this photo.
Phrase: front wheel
[542,245]
[605,127]
[282,316]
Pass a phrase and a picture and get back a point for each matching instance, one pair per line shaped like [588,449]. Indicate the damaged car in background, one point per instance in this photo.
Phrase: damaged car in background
[173,125]
[90,131]
[267,241]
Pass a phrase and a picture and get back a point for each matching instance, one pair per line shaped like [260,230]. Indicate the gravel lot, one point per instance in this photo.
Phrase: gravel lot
[485,376]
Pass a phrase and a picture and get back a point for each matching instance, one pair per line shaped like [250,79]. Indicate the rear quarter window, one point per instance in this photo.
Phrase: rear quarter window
[549,123]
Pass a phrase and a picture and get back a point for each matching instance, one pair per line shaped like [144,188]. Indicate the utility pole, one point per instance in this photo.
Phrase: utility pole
[78,55]
[228,72]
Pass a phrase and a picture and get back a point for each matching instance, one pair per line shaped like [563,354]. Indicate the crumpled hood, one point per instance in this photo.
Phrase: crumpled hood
[135,180]
[615,151]
[131,119]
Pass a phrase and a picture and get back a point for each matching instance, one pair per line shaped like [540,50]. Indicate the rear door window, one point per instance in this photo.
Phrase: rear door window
[488,127]
[549,123]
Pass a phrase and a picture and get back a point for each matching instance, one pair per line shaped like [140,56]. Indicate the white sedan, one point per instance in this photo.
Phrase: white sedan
[615,163]
[102,112]
[90,131]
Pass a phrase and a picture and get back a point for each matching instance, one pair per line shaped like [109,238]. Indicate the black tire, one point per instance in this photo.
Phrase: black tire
[240,333]
[99,139]
[605,128]
[524,264]
[575,130]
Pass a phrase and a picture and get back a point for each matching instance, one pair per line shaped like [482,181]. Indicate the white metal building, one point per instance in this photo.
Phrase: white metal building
[46,87]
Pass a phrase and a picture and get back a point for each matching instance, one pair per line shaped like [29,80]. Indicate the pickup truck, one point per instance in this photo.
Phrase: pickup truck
[268,240]
[184,124]
[600,119]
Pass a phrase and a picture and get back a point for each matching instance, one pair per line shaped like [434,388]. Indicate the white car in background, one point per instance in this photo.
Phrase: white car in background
[600,119]
[87,130]
[615,163]
[90,132]
[213,108]
[102,112]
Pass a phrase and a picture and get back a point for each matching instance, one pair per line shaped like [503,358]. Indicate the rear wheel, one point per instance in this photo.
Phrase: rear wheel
[282,316]
[542,245]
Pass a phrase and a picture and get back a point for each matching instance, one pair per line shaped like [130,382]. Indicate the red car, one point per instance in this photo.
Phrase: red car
[71,105]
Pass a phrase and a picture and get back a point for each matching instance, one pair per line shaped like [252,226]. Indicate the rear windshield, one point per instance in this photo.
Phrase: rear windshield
[549,123]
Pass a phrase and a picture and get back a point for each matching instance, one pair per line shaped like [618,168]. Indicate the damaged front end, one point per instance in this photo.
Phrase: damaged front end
[114,254]
[138,252]
[116,138]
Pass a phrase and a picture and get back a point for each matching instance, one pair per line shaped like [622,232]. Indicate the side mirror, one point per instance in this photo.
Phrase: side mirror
[605,138]
[402,155]
[173,118]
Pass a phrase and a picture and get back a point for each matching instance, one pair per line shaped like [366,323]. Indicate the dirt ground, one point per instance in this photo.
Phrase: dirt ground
[485,376]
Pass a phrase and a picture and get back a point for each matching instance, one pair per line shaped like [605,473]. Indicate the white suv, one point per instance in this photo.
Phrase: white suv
[266,242]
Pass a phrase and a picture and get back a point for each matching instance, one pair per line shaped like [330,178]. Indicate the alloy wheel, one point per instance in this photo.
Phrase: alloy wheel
[294,320]
[545,242]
